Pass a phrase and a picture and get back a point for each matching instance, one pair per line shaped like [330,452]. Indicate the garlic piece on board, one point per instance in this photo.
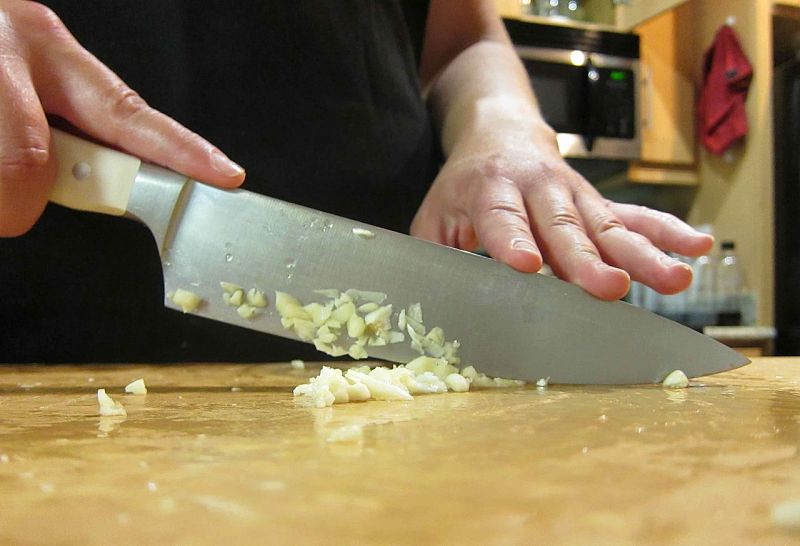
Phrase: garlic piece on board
[380,390]
[786,515]
[347,433]
[136,387]
[676,380]
[109,407]
[457,382]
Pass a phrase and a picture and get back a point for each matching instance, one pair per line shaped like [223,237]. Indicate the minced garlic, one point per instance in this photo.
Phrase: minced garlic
[136,387]
[676,380]
[363,233]
[109,407]
[247,304]
[186,300]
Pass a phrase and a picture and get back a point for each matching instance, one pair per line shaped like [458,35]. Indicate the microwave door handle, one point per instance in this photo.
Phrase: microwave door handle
[593,89]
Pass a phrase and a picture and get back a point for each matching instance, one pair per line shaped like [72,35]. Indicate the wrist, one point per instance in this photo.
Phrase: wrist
[499,121]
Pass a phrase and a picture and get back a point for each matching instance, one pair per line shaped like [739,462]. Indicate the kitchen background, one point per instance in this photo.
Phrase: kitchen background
[733,194]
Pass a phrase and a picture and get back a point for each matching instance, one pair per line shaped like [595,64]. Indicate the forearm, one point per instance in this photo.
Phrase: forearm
[484,92]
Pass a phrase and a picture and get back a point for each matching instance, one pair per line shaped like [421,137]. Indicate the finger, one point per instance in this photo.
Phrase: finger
[628,250]
[664,230]
[433,224]
[26,170]
[90,96]
[566,246]
[502,226]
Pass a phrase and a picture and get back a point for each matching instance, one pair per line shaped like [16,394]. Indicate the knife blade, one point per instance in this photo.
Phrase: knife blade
[509,324]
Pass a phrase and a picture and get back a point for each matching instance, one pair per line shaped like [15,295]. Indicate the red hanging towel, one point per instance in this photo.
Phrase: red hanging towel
[727,73]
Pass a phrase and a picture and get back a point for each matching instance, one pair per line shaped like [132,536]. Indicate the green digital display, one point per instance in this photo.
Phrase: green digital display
[618,75]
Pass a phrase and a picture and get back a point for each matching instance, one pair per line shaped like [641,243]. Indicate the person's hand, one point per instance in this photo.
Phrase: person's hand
[43,70]
[515,197]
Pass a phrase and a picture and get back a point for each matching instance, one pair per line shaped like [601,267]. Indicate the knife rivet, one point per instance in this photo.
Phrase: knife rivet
[81,170]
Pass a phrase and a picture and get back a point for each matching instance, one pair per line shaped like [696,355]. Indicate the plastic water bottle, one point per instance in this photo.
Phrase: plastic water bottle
[730,285]
[702,294]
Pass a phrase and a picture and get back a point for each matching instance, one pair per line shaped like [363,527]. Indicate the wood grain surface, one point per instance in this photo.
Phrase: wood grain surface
[222,454]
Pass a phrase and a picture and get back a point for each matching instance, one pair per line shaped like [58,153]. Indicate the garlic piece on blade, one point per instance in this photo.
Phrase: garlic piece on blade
[363,233]
[256,298]
[246,311]
[229,287]
[186,300]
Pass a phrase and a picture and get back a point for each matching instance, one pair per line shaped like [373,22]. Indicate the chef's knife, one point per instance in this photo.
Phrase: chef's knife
[509,324]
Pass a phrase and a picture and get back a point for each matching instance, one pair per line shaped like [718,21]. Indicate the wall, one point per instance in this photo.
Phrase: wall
[737,197]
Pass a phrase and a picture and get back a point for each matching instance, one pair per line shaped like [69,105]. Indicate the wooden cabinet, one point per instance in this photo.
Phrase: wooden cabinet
[666,101]
[630,13]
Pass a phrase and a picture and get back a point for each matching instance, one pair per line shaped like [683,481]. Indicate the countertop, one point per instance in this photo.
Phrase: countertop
[223,454]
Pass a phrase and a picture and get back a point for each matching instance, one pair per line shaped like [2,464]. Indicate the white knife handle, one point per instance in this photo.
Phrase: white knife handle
[91,177]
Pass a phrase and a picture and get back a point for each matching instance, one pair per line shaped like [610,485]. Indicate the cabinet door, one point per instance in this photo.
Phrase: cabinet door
[630,13]
[667,90]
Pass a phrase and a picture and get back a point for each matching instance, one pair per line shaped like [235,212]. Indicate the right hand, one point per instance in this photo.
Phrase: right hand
[44,70]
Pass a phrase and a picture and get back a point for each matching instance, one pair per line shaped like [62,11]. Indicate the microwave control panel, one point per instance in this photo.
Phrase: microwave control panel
[612,106]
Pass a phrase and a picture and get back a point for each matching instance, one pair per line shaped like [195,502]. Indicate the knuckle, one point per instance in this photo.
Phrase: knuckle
[547,172]
[497,169]
[21,162]
[603,223]
[587,252]
[125,103]
[503,208]
[43,20]
[492,167]
[566,219]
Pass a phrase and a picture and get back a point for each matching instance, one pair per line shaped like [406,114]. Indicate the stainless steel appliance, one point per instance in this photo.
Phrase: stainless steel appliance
[586,81]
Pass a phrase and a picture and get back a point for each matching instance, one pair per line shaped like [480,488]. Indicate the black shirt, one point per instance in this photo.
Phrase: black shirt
[319,101]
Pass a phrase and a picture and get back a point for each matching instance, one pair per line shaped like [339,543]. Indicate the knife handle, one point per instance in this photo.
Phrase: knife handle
[90,177]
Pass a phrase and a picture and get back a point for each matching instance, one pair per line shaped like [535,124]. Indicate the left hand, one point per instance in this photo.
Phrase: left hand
[515,197]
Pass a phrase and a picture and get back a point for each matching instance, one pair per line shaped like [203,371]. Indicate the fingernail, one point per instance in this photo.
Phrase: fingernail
[225,166]
[523,244]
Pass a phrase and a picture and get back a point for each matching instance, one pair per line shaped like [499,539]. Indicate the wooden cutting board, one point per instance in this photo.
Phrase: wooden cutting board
[223,454]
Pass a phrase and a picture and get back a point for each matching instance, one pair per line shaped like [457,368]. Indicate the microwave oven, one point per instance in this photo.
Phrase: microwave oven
[586,82]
